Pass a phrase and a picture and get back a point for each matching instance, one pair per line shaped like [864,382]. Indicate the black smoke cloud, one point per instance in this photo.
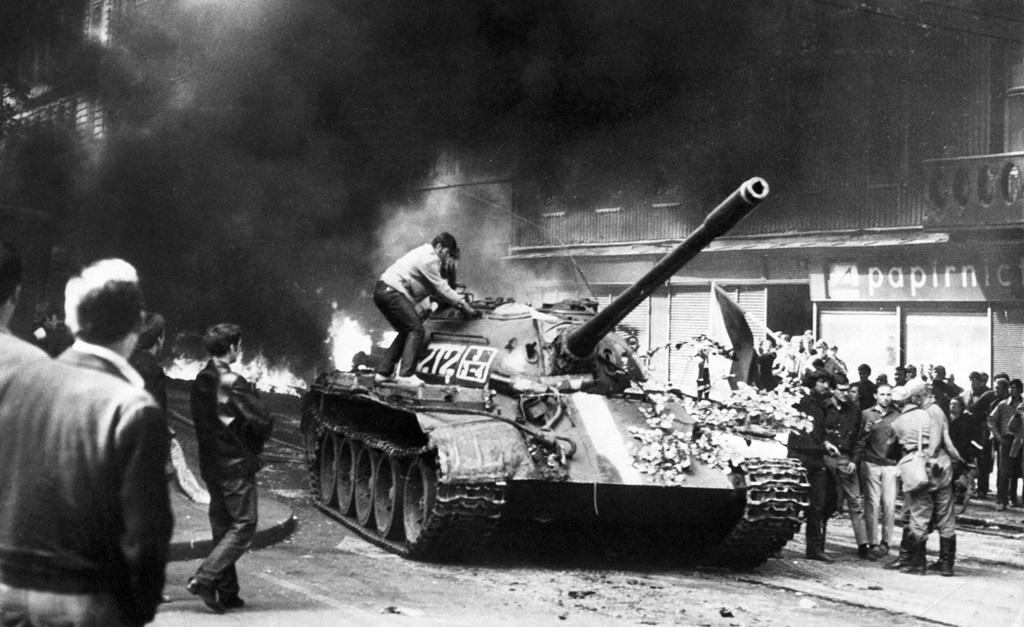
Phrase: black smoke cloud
[261,151]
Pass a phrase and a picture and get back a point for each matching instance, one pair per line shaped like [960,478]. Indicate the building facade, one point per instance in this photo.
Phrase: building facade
[899,240]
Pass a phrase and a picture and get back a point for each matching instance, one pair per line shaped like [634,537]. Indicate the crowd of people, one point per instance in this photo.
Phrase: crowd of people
[84,449]
[872,440]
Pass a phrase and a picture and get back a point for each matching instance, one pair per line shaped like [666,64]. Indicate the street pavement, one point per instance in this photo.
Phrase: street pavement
[191,539]
[324,575]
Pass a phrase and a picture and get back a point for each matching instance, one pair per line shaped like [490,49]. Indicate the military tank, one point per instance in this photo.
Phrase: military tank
[526,415]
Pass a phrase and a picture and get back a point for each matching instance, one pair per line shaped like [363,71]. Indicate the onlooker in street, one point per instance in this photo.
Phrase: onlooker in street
[144,360]
[865,388]
[1008,465]
[985,404]
[144,357]
[900,376]
[12,349]
[50,333]
[916,430]
[764,366]
[879,474]
[86,520]
[942,389]
[967,434]
[843,429]
[834,363]
[978,402]
[810,449]
[232,425]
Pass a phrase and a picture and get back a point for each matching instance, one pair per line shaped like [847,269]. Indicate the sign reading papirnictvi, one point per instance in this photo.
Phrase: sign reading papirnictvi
[933,279]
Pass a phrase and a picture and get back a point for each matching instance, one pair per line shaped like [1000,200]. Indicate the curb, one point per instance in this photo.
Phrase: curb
[985,523]
[194,541]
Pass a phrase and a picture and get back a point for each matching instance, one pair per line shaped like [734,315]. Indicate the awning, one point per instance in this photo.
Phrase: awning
[862,239]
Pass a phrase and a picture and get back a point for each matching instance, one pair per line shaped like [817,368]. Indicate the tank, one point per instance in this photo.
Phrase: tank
[530,414]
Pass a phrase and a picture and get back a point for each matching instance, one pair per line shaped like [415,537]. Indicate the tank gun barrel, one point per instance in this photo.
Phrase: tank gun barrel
[582,341]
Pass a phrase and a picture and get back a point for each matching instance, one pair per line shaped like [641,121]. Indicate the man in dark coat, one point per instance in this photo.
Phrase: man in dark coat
[232,424]
[81,432]
[143,357]
[810,448]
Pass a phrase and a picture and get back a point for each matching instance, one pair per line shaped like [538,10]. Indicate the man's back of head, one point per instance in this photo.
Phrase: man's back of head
[103,304]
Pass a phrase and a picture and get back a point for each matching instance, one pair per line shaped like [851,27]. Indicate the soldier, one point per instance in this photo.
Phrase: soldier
[915,429]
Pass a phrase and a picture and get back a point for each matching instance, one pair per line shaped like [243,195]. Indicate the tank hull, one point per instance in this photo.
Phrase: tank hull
[439,479]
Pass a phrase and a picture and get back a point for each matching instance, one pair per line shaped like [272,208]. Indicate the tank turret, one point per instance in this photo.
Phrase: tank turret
[581,342]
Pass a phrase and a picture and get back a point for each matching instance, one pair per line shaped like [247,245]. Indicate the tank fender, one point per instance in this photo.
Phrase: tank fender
[481,451]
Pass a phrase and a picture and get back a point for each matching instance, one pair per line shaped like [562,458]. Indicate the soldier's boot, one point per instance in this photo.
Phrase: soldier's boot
[947,555]
[918,564]
[903,557]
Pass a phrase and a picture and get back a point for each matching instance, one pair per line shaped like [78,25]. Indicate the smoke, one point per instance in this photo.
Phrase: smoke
[262,151]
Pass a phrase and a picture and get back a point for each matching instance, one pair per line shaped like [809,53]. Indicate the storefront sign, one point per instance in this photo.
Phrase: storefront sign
[933,280]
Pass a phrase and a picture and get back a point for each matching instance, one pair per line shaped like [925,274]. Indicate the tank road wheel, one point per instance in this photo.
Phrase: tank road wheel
[328,468]
[387,496]
[365,460]
[345,485]
[418,498]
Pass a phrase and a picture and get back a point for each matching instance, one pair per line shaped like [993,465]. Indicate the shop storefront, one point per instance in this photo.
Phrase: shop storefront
[958,306]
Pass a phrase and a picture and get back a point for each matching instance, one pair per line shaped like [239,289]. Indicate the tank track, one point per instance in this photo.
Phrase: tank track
[776,499]
[461,523]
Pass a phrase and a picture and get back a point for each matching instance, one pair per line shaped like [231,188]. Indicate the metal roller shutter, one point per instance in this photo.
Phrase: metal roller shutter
[1008,339]
[754,301]
[637,323]
[688,316]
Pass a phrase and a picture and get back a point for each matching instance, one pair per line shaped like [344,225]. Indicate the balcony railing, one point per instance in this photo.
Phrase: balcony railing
[974,191]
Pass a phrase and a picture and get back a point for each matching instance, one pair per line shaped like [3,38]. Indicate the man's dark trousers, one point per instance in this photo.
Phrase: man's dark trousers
[401,313]
[822,504]
[233,521]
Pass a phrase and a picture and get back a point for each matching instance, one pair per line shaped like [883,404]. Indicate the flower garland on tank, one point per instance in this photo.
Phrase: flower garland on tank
[668,446]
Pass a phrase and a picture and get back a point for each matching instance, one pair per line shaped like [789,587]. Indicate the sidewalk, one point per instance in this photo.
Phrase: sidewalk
[191,539]
[985,514]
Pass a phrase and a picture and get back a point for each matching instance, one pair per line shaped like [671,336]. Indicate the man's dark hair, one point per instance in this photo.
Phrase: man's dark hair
[818,375]
[864,368]
[840,379]
[446,240]
[152,331]
[1016,383]
[221,337]
[107,314]
[11,271]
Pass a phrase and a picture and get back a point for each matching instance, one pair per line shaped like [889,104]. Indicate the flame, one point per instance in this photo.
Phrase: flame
[275,379]
[346,338]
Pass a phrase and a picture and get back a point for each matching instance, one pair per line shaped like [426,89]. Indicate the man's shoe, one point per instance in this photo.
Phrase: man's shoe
[819,556]
[232,602]
[880,551]
[207,594]
[412,381]
[382,378]
[864,552]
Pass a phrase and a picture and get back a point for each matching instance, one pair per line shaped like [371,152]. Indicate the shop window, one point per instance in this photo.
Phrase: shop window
[958,341]
[863,337]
